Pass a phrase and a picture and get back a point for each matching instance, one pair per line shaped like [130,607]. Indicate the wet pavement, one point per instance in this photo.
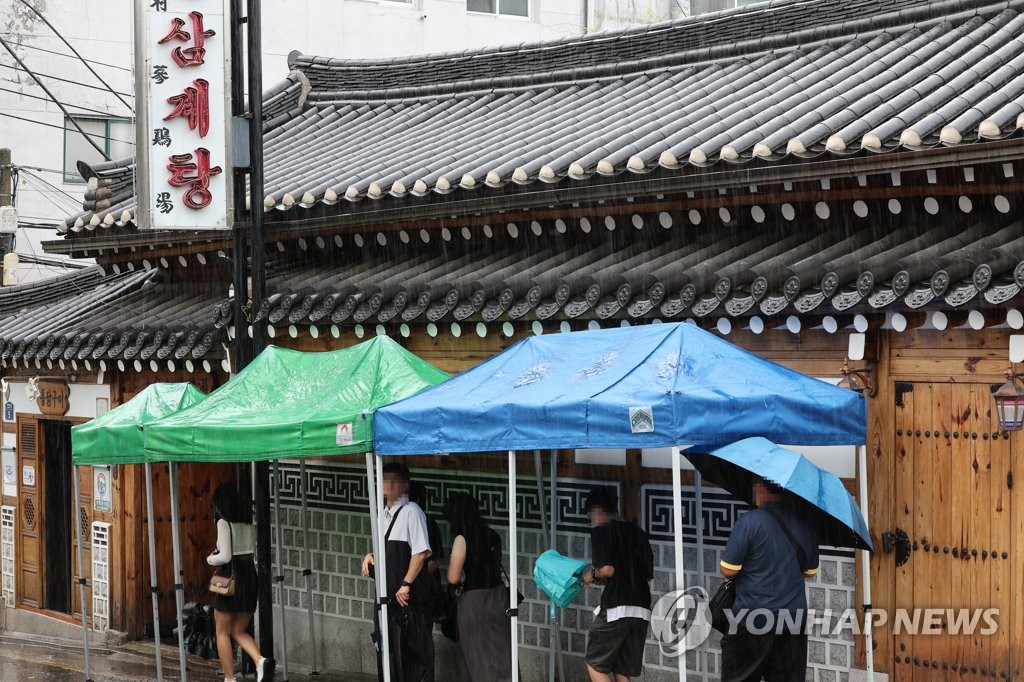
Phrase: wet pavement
[24,657]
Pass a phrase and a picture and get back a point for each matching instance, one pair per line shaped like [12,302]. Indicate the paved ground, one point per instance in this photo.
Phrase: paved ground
[51,660]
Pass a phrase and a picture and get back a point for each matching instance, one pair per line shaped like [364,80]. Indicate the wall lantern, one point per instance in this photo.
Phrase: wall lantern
[1010,396]
[1010,403]
[859,379]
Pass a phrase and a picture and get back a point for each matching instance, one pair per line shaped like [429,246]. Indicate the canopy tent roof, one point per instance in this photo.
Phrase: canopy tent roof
[288,403]
[652,386]
[116,437]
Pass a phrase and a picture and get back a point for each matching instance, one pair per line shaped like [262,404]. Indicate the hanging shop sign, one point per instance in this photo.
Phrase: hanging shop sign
[54,397]
[182,136]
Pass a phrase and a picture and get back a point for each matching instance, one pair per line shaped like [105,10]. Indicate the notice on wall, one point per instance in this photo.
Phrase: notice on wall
[28,475]
[101,498]
[10,468]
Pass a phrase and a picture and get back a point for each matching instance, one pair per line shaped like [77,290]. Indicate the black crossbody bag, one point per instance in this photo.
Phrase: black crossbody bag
[722,600]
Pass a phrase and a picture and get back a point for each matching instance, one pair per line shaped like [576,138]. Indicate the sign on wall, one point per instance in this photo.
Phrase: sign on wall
[54,397]
[183,135]
[101,497]
[10,473]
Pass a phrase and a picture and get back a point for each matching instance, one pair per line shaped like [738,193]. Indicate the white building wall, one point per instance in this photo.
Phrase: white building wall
[100,30]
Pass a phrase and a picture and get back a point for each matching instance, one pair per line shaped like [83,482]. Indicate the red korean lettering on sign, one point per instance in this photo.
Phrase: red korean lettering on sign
[193,172]
[193,105]
[189,56]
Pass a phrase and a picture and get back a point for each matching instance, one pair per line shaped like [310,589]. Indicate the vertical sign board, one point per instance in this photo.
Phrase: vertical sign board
[182,75]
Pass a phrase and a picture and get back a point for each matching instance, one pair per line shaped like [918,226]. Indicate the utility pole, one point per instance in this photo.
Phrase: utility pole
[249,271]
[7,232]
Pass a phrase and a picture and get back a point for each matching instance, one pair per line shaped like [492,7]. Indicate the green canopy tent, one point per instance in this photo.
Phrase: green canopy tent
[116,438]
[294,404]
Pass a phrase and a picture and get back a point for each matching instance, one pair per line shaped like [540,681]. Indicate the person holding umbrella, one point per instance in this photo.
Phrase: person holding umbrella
[769,554]
[623,563]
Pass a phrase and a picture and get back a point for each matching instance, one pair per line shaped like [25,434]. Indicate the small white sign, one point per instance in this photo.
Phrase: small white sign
[28,475]
[641,419]
[101,489]
[10,467]
[343,436]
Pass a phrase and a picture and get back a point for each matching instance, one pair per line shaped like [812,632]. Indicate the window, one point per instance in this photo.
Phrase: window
[115,136]
[512,8]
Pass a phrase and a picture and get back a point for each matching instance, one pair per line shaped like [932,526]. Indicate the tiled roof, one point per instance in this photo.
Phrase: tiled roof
[769,83]
[89,317]
[642,267]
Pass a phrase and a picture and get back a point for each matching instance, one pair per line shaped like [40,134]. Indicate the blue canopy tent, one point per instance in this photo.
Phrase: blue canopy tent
[659,385]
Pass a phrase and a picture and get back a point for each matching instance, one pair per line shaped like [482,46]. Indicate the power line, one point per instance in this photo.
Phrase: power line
[71,47]
[48,184]
[62,80]
[46,99]
[45,195]
[50,94]
[72,119]
[61,54]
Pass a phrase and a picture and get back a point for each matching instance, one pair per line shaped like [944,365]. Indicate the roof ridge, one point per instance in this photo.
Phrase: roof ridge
[775,25]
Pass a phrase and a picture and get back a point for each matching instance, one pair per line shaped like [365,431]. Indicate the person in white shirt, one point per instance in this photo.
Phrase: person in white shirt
[410,604]
[236,547]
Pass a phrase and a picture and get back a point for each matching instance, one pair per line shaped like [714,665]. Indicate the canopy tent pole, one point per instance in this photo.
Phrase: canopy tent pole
[179,587]
[152,570]
[865,561]
[698,480]
[513,563]
[376,504]
[539,470]
[279,578]
[677,523]
[81,572]
[557,619]
[307,572]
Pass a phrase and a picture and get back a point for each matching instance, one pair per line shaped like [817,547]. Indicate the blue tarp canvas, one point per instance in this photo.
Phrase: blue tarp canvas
[559,577]
[654,385]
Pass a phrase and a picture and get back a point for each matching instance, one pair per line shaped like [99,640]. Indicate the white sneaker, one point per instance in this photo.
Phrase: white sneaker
[260,665]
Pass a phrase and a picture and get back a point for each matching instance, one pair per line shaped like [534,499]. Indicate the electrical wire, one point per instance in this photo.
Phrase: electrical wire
[72,119]
[61,54]
[45,194]
[74,106]
[54,187]
[80,57]
[50,94]
[62,80]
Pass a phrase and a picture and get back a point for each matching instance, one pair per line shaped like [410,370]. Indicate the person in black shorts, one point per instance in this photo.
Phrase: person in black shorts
[624,564]
[769,554]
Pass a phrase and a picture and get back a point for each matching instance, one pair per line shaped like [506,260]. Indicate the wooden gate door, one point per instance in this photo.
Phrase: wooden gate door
[29,571]
[954,490]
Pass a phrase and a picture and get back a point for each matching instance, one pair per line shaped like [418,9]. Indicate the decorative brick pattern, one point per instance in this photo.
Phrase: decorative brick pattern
[7,553]
[339,536]
[100,576]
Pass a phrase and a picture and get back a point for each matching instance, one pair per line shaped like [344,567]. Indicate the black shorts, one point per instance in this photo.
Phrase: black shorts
[617,648]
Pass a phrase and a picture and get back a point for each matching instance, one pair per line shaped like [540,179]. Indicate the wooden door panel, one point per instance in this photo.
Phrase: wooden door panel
[954,500]
[28,583]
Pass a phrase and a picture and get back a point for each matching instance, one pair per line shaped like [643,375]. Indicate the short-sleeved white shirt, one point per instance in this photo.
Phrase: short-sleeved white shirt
[410,527]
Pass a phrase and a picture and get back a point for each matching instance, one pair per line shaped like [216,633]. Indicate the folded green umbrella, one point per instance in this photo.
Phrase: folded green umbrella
[559,577]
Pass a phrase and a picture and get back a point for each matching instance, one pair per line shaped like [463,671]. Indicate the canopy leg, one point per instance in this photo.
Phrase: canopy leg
[307,572]
[556,615]
[702,652]
[539,470]
[865,563]
[179,587]
[677,523]
[152,571]
[375,480]
[81,572]
[513,563]
[279,578]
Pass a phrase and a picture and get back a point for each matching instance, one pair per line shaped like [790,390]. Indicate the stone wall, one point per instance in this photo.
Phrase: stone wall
[339,537]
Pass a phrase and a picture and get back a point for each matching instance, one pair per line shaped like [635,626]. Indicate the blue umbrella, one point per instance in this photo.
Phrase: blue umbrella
[817,494]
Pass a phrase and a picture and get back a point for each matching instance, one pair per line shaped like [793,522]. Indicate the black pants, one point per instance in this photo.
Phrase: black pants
[777,657]
[410,643]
